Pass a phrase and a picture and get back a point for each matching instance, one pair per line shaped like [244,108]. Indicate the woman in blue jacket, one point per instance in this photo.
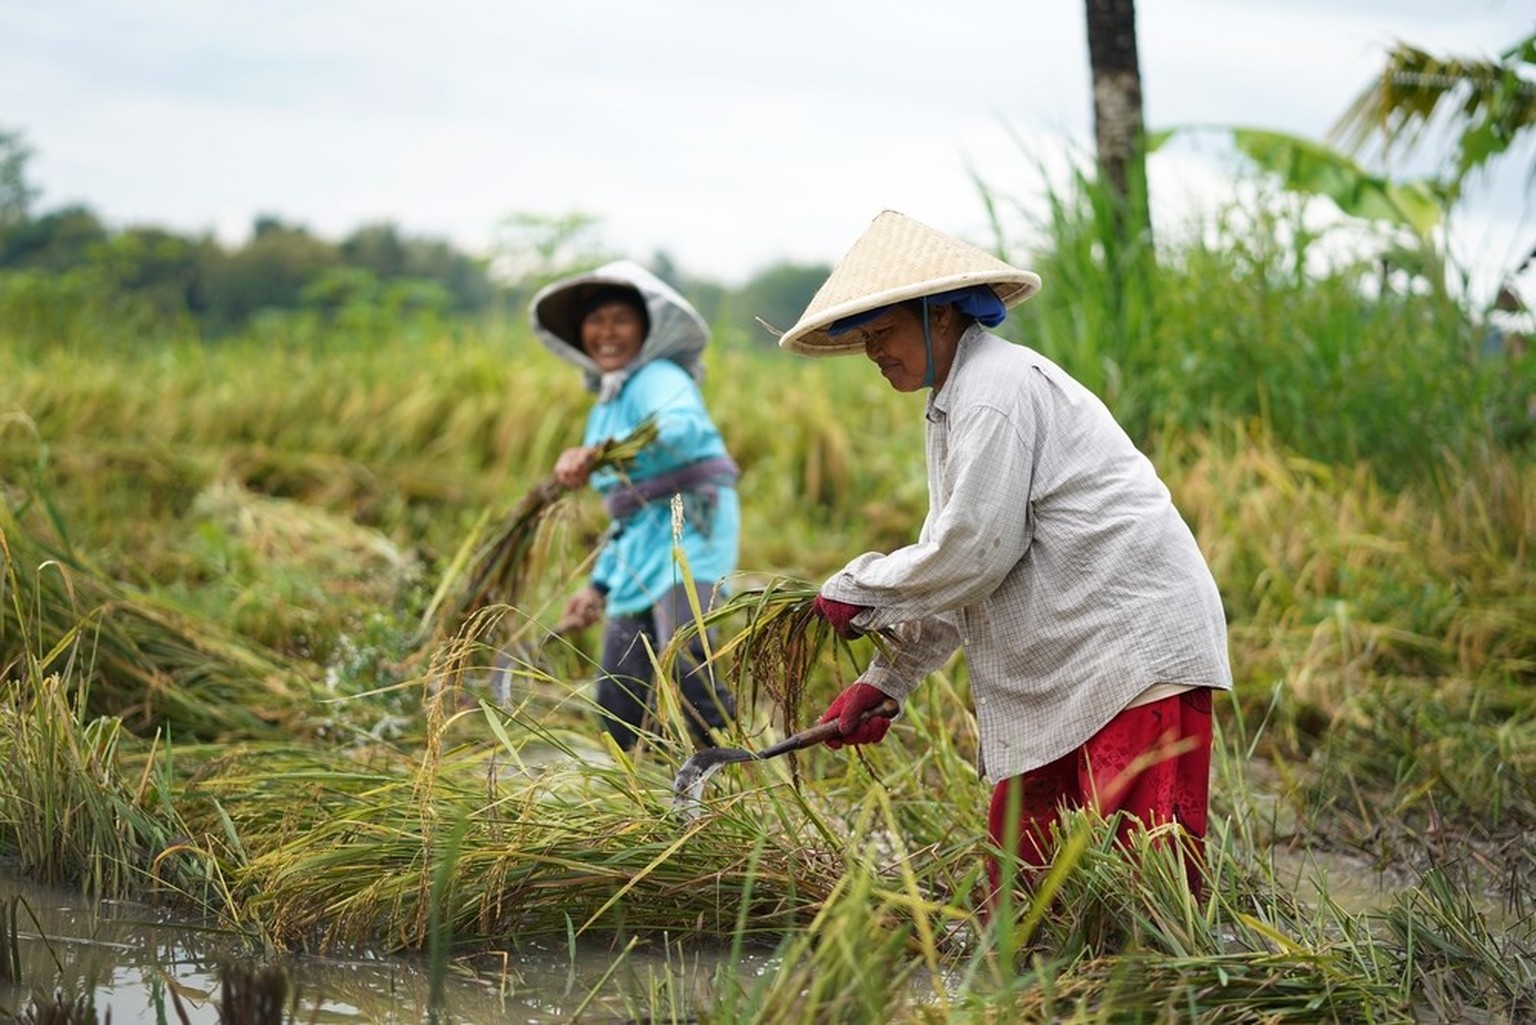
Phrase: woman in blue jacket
[638,343]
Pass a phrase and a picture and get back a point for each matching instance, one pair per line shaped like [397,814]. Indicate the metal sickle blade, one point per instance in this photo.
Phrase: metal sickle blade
[688,787]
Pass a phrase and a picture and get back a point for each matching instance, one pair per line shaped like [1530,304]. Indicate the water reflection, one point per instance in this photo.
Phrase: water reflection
[147,967]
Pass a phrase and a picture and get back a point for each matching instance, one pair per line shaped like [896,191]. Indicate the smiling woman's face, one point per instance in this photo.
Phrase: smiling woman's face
[612,335]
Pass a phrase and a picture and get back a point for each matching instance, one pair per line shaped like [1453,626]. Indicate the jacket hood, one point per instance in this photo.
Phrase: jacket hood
[677,332]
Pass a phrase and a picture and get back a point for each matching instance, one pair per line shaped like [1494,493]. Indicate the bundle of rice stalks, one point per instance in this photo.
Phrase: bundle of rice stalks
[773,652]
[492,565]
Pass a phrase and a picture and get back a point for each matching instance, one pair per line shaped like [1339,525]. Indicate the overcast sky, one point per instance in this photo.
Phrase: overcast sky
[730,134]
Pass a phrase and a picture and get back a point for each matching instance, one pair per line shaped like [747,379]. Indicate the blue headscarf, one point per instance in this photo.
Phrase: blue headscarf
[977,300]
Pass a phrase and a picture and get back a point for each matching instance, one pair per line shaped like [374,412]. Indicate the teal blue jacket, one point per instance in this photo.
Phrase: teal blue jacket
[641,562]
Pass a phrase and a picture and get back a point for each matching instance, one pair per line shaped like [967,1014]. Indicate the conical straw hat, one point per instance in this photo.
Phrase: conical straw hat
[897,259]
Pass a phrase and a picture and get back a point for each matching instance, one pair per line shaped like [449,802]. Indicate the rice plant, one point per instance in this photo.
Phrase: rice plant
[150,663]
[70,812]
[768,645]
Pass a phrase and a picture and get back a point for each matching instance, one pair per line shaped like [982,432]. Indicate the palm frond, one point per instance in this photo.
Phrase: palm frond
[1463,110]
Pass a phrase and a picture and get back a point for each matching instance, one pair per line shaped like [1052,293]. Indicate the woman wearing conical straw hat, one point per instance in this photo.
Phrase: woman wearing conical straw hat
[638,343]
[1051,553]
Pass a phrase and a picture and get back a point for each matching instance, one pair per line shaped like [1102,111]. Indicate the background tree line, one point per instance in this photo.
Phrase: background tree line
[378,275]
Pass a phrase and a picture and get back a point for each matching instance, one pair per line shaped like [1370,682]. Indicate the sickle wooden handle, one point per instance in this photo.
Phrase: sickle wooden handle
[822,732]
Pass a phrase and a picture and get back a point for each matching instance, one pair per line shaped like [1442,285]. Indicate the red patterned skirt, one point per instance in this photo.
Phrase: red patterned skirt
[1151,762]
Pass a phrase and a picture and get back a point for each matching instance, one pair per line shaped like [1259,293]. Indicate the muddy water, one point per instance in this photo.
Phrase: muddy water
[149,968]
[1352,883]
[1358,886]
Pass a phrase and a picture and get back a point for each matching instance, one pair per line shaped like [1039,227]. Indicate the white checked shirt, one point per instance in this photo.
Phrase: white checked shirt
[1051,551]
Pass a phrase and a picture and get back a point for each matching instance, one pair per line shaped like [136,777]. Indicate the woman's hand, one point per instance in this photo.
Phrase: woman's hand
[848,707]
[574,466]
[584,608]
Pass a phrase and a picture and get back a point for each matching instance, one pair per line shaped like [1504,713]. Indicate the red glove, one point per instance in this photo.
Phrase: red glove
[846,709]
[840,614]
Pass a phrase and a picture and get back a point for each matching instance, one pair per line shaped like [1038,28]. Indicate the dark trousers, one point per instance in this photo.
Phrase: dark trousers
[626,689]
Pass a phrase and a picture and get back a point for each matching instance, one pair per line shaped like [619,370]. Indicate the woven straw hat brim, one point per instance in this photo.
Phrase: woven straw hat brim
[897,259]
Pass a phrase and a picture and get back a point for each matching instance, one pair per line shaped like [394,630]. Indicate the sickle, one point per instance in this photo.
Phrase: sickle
[688,787]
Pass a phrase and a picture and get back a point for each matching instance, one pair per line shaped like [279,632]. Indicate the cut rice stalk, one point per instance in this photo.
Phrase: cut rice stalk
[491,566]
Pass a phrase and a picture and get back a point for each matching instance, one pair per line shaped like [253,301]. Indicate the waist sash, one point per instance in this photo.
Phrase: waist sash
[716,472]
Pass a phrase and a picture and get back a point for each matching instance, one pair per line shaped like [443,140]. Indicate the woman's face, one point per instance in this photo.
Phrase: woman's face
[612,335]
[894,342]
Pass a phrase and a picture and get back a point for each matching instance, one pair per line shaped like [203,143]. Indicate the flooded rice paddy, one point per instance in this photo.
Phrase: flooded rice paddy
[147,967]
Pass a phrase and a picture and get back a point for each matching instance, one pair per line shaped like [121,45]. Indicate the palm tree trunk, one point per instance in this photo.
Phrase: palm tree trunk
[1117,113]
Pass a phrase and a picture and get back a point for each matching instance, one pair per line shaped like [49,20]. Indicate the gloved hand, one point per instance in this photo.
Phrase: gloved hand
[846,709]
[840,614]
